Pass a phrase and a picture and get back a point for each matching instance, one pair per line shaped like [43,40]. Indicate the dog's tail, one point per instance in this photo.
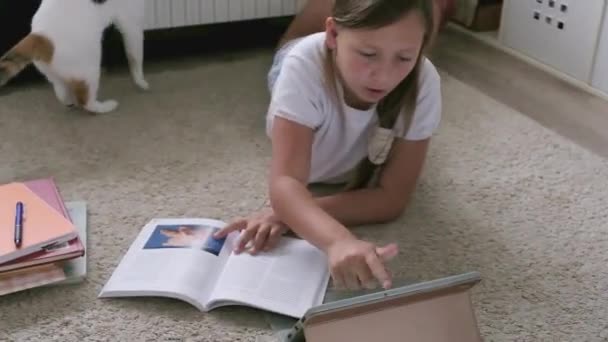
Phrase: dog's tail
[34,47]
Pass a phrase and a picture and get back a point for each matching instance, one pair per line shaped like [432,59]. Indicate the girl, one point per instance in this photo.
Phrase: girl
[354,104]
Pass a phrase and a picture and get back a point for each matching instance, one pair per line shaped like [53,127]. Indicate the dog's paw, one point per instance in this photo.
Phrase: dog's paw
[102,107]
[142,84]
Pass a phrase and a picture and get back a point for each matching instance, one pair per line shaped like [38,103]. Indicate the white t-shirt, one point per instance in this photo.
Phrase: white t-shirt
[340,142]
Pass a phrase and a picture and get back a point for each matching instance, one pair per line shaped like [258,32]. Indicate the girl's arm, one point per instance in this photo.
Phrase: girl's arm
[352,262]
[388,200]
[291,200]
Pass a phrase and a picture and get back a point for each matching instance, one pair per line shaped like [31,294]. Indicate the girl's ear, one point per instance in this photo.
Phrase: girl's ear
[331,32]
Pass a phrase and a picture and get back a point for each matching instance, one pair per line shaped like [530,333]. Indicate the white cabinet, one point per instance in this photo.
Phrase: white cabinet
[559,33]
[600,71]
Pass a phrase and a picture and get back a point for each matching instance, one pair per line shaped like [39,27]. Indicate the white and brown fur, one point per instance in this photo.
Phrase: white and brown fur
[65,44]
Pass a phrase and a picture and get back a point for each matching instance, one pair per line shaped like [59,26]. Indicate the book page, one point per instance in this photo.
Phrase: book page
[176,258]
[287,280]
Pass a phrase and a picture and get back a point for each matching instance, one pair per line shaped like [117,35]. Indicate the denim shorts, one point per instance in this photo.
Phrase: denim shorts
[277,62]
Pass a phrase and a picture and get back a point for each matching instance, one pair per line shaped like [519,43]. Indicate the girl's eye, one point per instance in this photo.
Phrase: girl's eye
[405,59]
[367,54]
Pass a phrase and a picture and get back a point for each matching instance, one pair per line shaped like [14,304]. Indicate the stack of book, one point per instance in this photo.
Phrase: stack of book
[42,238]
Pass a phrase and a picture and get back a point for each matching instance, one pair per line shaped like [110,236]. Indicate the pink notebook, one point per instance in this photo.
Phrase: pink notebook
[47,190]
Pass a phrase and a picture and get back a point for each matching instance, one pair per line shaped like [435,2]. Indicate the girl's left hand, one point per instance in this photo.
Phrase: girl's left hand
[262,228]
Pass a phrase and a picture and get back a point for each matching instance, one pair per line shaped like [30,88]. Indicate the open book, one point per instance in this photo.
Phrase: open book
[180,258]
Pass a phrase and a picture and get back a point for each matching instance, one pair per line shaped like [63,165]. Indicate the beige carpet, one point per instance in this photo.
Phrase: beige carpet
[500,195]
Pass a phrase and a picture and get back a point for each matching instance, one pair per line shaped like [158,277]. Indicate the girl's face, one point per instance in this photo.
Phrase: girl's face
[372,62]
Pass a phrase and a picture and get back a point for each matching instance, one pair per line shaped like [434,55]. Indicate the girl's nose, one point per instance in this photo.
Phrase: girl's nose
[381,73]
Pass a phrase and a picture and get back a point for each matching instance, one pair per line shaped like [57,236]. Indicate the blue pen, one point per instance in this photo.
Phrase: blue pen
[18,224]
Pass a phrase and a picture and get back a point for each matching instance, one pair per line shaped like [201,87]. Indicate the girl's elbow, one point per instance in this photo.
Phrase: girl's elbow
[279,187]
[393,214]
[394,210]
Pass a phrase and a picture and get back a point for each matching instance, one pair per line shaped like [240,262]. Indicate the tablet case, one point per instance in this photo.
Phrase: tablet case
[438,311]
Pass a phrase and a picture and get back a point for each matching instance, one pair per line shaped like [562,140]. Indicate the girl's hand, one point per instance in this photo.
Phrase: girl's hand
[355,264]
[262,228]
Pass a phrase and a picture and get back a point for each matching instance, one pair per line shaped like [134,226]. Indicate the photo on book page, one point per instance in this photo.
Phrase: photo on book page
[185,236]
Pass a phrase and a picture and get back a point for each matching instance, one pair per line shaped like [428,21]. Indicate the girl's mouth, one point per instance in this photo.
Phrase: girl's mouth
[375,91]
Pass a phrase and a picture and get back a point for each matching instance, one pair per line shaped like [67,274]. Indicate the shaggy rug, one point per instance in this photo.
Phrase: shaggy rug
[500,195]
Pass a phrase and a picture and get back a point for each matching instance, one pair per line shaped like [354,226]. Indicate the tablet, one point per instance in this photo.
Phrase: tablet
[437,310]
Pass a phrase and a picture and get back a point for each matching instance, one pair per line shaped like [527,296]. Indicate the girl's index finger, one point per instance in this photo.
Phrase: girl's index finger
[378,270]
[229,228]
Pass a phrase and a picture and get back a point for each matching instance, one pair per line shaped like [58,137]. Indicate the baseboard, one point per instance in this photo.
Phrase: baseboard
[492,41]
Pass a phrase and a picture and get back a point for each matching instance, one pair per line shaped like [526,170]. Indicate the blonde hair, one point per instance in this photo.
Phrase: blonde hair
[355,14]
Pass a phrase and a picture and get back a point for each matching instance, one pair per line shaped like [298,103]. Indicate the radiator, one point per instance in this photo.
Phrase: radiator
[175,13]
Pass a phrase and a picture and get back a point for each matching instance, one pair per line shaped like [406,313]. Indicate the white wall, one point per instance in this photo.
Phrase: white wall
[600,72]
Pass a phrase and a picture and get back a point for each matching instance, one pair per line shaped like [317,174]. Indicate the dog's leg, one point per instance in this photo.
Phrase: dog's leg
[85,93]
[133,37]
[63,93]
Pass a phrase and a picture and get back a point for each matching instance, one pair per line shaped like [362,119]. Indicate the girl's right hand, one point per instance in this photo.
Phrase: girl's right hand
[357,264]
[262,229]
